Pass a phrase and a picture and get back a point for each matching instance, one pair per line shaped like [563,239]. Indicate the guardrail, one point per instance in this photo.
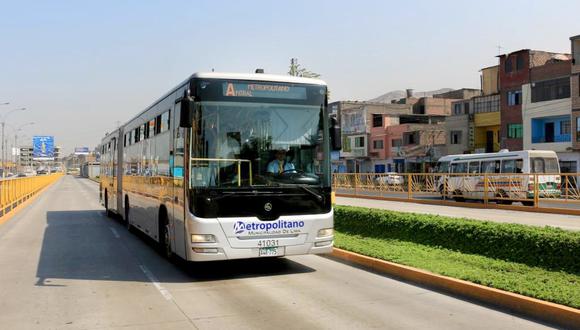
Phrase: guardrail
[15,191]
[539,190]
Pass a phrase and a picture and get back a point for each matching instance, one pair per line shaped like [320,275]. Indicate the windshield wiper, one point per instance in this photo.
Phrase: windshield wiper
[312,192]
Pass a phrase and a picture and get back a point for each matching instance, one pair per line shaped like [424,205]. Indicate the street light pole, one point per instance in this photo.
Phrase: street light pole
[3,145]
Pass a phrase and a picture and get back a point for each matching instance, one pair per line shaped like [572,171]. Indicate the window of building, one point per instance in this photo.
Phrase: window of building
[565,127]
[455,137]
[519,62]
[551,90]
[378,144]
[466,108]
[514,97]
[457,109]
[577,129]
[359,142]
[410,138]
[396,143]
[515,131]
[377,120]
[125,140]
[508,64]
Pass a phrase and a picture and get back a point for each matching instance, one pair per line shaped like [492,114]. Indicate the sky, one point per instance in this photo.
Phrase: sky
[82,67]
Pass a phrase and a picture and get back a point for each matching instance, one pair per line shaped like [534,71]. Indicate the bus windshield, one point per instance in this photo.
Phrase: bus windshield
[249,144]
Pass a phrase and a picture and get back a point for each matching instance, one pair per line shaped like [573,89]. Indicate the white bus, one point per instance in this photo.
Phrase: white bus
[510,176]
[227,166]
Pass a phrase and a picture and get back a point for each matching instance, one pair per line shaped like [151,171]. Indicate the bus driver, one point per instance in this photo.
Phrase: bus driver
[279,165]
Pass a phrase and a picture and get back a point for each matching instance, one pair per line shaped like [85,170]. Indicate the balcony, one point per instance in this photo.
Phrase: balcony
[483,146]
[552,139]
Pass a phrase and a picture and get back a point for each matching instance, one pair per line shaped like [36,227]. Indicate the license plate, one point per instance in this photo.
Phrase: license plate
[272,251]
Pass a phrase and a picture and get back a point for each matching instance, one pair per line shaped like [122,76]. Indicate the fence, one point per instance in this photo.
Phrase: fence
[14,192]
[560,192]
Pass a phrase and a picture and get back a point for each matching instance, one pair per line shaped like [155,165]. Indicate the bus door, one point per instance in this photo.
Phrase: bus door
[113,190]
[177,164]
[119,174]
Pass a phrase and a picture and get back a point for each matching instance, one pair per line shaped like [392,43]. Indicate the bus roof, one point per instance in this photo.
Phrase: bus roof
[258,77]
[501,154]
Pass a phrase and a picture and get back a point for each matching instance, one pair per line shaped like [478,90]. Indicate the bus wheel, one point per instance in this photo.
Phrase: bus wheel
[503,194]
[127,221]
[528,203]
[458,196]
[164,236]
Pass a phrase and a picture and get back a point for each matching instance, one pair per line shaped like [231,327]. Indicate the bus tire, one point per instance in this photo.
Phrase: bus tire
[528,203]
[164,234]
[502,194]
[458,196]
[127,213]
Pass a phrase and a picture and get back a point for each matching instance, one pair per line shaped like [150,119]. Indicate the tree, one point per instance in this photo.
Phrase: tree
[297,71]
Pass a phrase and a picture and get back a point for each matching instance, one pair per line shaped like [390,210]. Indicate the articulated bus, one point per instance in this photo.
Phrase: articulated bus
[227,166]
[510,176]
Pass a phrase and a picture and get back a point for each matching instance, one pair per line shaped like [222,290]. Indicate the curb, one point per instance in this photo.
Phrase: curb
[542,310]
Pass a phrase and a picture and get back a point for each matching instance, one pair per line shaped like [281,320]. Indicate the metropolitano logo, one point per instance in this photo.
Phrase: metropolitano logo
[282,226]
[239,227]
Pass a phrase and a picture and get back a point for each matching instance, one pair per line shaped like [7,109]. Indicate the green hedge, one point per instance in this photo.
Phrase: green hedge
[549,248]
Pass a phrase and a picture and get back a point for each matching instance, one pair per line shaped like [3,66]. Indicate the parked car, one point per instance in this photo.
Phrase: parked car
[390,178]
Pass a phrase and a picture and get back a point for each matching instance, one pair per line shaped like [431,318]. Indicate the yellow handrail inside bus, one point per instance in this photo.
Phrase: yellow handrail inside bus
[239,161]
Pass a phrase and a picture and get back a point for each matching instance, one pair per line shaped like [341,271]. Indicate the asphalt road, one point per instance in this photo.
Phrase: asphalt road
[64,265]
[568,222]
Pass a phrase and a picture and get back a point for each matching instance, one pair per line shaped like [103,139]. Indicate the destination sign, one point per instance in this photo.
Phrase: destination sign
[272,91]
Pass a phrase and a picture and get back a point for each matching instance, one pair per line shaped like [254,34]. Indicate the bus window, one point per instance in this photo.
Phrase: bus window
[473,167]
[508,166]
[442,167]
[490,166]
[544,165]
[459,167]
[519,166]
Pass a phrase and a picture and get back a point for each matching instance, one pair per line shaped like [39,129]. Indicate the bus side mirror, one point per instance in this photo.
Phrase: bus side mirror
[335,138]
[186,113]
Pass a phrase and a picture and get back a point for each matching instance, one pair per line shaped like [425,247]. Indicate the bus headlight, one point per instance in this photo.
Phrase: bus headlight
[202,238]
[325,232]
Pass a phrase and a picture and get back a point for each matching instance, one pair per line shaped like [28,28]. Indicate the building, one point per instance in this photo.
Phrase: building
[356,120]
[575,90]
[459,127]
[26,160]
[417,142]
[546,111]
[514,72]
[486,113]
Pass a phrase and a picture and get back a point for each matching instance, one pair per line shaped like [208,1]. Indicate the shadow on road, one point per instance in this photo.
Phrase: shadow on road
[82,245]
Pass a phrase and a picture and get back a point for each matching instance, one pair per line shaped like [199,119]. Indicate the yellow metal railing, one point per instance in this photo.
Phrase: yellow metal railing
[14,191]
[538,189]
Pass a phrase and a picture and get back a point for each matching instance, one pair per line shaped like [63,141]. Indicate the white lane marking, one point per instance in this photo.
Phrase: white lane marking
[115,233]
[155,283]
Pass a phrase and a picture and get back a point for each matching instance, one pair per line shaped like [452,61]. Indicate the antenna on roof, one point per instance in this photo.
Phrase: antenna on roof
[499,48]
